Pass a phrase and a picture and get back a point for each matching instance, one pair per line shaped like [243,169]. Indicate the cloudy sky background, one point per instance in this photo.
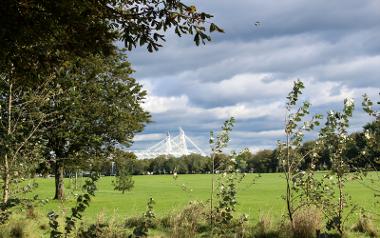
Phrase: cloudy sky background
[331,45]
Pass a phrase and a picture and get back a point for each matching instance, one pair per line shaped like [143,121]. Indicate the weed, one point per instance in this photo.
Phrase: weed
[365,225]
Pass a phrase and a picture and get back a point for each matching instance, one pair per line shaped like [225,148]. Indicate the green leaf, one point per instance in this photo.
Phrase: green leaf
[197,39]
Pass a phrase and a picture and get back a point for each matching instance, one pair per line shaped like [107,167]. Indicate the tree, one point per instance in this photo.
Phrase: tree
[124,167]
[289,152]
[372,140]
[334,137]
[170,165]
[217,145]
[157,165]
[141,167]
[40,35]
[242,160]
[263,162]
[39,38]
[20,124]
[100,106]
[372,131]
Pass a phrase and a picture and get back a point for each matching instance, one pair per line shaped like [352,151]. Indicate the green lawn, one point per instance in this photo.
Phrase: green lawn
[255,198]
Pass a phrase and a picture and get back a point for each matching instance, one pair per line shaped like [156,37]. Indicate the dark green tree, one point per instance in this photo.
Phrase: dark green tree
[372,143]
[124,162]
[157,165]
[40,35]
[263,161]
[241,160]
[100,106]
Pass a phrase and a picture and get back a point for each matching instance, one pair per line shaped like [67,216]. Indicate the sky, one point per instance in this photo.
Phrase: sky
[333,46]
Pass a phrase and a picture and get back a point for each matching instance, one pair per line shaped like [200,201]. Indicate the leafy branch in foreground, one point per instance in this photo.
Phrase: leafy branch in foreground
[82,203]
[53,36]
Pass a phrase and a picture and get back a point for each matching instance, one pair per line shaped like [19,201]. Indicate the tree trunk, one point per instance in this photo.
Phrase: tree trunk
[6,175]
[6,180]
[59,185]
[76,180]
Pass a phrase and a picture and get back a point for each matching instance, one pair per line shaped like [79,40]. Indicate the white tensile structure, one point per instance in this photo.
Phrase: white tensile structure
[171,146]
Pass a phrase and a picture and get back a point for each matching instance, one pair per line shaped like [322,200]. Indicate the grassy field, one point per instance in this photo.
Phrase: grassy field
[254,197]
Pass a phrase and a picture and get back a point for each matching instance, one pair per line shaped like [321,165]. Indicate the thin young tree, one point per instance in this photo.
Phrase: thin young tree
[334,137]
[21,120]
[371,151]
[289,152]
[217,145]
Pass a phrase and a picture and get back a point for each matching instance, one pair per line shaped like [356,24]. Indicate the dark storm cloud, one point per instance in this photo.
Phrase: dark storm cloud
[334,46]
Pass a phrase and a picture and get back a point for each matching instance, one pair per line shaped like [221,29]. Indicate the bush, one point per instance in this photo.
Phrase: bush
[365,225]
[307,222]
[19,227]
[102,229]
[142,224]
[17,231]
[265,228]
[188,222]
[131,222]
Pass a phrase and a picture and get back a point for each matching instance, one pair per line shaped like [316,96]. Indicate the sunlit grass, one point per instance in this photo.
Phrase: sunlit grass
[255,196]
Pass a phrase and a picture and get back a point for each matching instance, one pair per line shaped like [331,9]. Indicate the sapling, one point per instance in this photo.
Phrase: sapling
[372,131]
[217,145]
[21,122]
[372,142]
[290,155]
[124,165]
[334,138]
[141,230]
[227,201]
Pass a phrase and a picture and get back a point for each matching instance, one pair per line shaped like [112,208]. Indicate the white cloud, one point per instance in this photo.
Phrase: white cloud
[149,137]
[180,105]
[245,86]
[259,134]
[156,104]
[322,93]
[246,111]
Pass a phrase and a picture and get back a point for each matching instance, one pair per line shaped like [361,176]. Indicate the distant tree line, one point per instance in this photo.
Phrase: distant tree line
[263,161]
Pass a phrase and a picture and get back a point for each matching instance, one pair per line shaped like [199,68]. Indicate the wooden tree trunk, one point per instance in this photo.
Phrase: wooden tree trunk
[6,175]
[59,185]
[6,180]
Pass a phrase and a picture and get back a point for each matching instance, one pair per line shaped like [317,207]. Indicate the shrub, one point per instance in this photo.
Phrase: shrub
[365,225]
[102,229]
[17,230]
[188,222]
[131,222]
[307,222]
[30,212]
[265,228]
[144,223]
[19,227]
